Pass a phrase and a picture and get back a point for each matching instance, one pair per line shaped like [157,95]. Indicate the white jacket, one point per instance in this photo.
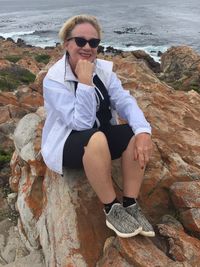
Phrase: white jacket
[67,111]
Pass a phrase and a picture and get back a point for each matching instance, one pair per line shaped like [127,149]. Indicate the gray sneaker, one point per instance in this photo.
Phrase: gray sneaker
[135,211]
[121,222]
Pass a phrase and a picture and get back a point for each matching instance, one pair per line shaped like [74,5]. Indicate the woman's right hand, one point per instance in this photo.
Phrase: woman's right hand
[84,71]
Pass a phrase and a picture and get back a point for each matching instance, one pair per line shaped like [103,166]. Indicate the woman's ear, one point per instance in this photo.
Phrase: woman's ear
[65,45]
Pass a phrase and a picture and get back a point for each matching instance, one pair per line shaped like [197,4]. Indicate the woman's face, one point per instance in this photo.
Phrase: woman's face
[86,31]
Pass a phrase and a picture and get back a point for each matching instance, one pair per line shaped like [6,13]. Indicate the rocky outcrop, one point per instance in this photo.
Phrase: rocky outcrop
[13,250]
[186,198]
[63,216]
[180,68]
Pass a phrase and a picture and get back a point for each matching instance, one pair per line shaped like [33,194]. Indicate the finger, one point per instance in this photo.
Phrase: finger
[146,159]
[141,160]
[147,155]
[135,154]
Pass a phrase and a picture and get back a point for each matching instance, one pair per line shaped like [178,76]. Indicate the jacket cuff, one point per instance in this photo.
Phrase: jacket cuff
[143,130]
[85,87]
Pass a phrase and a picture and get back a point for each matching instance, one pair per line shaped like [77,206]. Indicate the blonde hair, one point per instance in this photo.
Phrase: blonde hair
[70,24]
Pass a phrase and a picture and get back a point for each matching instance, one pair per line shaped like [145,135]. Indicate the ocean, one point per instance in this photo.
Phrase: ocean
[128,25]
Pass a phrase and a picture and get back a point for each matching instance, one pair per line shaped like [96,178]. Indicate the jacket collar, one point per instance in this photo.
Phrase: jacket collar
[61,71]
[68,74]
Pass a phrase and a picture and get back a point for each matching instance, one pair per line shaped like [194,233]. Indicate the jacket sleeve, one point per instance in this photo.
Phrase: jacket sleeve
[77,112]
[127,107]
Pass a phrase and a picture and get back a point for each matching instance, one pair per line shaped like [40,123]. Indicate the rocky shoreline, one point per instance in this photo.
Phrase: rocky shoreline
[169,95]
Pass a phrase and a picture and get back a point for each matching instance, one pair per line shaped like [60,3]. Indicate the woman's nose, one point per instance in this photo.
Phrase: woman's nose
[87,46]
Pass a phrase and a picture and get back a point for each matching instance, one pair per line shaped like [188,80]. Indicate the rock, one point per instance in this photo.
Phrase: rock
[9,39]
[24,136]
[80,216]
[15,164]
[17,112]
[191,220]
[151,63]
[5,64]
[80,224]
[186,194]
[182,248]
[12,248]
[171,221]
[21,42]
[31,64]
[186,198]
[8,98]
[5,225]
[11,199]
[180,66]
[140,251]
[176,156]
[38,84]
[31,100]
[77,211]
[4,209]
[13,252]
[112,50]
[112,257]
[101,49]
[5,115]
[35,258]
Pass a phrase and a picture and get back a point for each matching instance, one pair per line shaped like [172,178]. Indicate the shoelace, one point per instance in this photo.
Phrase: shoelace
[120,214]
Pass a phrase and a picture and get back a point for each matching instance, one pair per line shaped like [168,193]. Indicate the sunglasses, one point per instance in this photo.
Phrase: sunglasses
[81,42]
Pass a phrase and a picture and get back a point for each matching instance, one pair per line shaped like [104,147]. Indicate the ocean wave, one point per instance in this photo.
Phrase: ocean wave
[15,34]
[45,38]
[44,32]
[152,50]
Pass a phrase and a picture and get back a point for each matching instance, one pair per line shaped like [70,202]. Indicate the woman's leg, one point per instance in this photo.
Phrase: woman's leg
[90,149]
[132,180]
[121,142]
[97,166]
[131,172]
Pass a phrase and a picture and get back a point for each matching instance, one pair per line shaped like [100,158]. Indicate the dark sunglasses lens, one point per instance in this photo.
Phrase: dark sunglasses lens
[94,42]
[81,42]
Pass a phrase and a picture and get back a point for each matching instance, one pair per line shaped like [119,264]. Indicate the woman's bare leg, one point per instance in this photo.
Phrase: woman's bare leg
[131,172]
[97,166]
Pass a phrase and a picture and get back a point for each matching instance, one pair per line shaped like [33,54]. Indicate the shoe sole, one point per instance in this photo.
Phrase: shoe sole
[124,235]
[148,234]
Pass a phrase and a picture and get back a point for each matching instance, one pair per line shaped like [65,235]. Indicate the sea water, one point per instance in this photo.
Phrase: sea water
[129,25]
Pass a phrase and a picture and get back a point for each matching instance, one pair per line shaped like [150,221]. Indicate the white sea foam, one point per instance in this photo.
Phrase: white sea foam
[153,51]
[34,38]
[15,35]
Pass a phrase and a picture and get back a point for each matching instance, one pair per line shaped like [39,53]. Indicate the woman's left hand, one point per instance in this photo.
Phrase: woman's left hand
[143,148]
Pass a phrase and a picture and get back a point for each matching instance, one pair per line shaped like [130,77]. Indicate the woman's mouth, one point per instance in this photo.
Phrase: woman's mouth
[85,55]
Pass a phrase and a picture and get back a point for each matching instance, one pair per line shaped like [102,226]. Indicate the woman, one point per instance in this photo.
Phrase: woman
[82,95]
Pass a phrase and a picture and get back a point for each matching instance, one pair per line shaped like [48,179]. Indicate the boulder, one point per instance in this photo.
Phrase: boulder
[186,194]
[186,199]
[180,68]
[59,213]
[181,247]
[30,64]
[174,116]
[151,63]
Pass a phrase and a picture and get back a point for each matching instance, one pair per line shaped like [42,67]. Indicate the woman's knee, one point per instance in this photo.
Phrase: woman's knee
[97,142]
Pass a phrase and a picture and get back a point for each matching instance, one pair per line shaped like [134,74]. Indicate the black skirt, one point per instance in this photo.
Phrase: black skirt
[118,138]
